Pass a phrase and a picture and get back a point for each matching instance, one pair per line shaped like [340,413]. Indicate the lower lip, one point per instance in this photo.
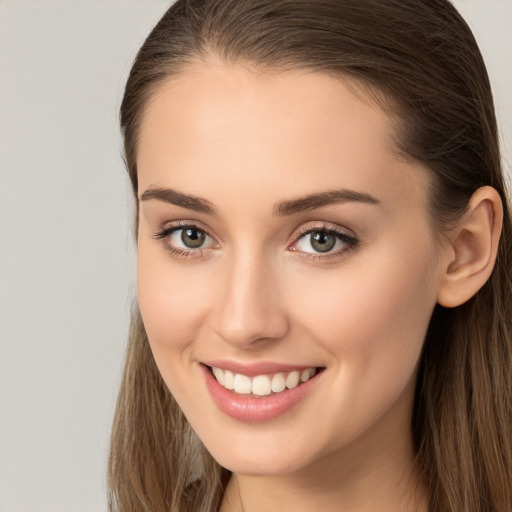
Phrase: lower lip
[250,409]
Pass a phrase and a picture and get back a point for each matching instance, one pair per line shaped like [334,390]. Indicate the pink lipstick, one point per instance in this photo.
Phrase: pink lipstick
[258,392]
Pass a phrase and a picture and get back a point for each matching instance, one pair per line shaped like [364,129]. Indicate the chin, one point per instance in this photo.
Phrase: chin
[251,467]
[255,461]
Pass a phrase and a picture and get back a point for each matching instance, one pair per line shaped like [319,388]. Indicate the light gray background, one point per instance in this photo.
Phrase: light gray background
[66,253]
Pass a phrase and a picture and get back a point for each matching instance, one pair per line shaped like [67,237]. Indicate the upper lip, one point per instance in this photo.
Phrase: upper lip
[252,369]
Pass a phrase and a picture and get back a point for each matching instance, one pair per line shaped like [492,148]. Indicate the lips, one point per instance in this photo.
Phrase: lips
[246,395]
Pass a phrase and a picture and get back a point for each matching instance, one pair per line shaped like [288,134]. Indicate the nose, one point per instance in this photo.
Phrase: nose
[249,312]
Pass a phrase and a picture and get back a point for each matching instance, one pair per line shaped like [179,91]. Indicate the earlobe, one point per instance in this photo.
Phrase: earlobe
[473,248]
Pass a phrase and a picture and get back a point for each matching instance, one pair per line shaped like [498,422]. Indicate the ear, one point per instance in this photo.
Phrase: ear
[470,255]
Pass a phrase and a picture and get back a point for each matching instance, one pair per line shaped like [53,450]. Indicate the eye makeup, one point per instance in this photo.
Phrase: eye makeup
[185,240]
[315,242]
[322,243]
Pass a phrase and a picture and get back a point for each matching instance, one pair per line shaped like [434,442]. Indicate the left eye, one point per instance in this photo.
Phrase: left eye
[323,241]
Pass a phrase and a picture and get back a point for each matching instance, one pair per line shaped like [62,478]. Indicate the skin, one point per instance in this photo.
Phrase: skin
[256,290]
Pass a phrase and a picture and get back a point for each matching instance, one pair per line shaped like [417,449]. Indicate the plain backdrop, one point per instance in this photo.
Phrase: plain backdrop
[66,250]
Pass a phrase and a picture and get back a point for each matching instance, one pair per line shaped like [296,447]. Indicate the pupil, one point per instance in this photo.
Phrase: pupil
[192,238]
[322,241]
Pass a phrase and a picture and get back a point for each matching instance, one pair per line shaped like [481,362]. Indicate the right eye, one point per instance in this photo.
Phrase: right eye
[185,240]
[188,238]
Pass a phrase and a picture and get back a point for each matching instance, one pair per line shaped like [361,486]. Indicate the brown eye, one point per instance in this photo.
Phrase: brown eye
[322,241]
[193,238]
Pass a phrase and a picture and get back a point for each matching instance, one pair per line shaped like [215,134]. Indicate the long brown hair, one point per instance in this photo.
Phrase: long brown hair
[420,61]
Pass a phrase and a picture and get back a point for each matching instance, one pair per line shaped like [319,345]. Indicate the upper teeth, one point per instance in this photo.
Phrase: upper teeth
[261,385]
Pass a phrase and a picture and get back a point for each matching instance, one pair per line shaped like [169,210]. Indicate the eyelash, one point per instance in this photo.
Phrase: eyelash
[165,233]
[350,242]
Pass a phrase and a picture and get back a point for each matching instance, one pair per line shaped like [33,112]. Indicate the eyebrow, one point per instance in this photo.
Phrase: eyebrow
[314,201]
[171,196]
[284,208]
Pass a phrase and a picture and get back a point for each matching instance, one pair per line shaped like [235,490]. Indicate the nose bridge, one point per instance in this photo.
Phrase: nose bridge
[248,307]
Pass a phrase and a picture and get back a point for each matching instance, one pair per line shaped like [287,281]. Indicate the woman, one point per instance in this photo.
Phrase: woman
[324,252]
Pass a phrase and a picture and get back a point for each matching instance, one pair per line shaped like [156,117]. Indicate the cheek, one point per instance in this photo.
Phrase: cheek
[390,288]
[165,317]
[172,310]
[372,318]
[386,303]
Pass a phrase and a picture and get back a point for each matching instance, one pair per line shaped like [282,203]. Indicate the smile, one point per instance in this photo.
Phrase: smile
[269,391]
[262,385]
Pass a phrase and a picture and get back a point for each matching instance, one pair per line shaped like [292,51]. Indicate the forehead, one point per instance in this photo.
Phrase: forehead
[272,131]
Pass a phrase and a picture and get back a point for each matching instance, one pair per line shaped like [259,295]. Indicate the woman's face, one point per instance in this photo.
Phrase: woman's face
[280,237]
